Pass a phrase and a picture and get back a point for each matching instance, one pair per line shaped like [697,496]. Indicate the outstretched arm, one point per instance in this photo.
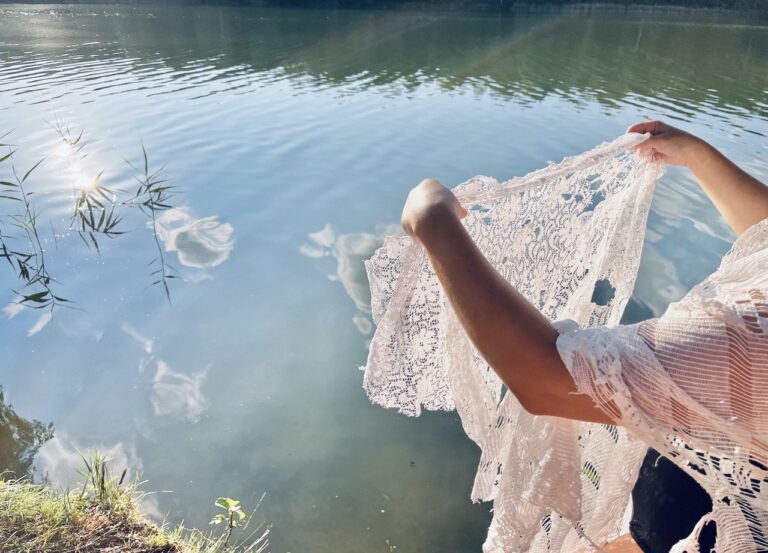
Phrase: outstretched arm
[741,199]
[509,332]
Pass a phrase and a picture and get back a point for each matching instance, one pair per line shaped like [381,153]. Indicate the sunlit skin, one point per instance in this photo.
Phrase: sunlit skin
[741,199]
[511,334]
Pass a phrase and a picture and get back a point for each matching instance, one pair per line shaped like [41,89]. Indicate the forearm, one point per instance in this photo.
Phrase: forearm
[740,198]
[511,334]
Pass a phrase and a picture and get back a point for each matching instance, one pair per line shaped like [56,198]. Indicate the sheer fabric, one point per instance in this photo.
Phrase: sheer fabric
[691,384]
[569,238]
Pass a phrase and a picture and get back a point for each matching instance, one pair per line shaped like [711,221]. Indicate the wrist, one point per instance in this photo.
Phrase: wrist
[699,154]
[435,226]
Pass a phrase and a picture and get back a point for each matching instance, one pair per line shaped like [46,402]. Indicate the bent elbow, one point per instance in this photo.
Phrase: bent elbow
[536,404]
[577,407]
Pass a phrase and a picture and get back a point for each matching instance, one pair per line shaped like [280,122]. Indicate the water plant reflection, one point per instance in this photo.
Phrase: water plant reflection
[99,212]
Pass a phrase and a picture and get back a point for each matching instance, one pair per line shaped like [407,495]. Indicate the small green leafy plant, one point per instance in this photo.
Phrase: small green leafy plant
[233,517]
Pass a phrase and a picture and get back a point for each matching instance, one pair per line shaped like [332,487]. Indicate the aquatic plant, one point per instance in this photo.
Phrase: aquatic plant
[151,197]
[29,259]
[98,212]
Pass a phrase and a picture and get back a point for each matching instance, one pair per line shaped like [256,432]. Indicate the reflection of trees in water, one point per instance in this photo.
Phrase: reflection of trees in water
[20,439]
[529,56]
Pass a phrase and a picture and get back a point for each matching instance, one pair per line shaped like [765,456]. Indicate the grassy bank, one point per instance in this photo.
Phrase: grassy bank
[103,514]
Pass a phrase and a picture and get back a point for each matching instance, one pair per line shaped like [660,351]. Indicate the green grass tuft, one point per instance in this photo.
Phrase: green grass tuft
[102,515]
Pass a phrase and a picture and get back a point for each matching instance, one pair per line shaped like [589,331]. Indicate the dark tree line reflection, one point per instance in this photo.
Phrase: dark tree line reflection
[20,440]
[675,62]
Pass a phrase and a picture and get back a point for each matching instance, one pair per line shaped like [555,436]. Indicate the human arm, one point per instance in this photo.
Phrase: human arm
[741,199]
[511,334]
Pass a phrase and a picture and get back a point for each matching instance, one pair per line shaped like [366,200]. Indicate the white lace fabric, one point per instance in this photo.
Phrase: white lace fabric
[693,384]
[569,238]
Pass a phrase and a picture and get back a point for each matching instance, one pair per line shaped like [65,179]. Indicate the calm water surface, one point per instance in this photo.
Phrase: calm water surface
[293,137]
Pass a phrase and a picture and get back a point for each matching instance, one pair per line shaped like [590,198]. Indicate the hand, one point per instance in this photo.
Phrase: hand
[667,143]
[430,206]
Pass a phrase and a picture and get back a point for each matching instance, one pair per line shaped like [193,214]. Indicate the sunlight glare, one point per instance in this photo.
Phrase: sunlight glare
[84,184]
[65,150]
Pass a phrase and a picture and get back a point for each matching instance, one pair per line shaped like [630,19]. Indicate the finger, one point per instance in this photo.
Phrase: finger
[428,183]
[652,154]
[458,209]
[652,127]
[649,155]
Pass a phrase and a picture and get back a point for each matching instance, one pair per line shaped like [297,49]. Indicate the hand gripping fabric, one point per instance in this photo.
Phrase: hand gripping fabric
[569,238]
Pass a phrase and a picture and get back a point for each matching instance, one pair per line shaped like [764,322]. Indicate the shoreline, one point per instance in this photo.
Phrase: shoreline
[104,513]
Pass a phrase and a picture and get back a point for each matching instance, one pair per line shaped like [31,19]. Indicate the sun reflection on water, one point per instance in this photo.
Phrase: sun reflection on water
[65,150]
[85,183]
[70,150]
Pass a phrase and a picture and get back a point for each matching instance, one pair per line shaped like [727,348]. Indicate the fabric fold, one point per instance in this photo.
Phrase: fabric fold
[693,385]
[569,238]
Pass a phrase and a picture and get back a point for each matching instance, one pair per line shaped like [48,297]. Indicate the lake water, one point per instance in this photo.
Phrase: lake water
[292,137]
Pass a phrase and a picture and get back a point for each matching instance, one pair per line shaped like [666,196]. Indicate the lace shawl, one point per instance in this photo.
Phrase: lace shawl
[569,238]
[694,385]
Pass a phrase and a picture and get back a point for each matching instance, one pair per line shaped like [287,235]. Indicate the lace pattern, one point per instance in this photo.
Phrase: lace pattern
[569,238]
[693,384]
